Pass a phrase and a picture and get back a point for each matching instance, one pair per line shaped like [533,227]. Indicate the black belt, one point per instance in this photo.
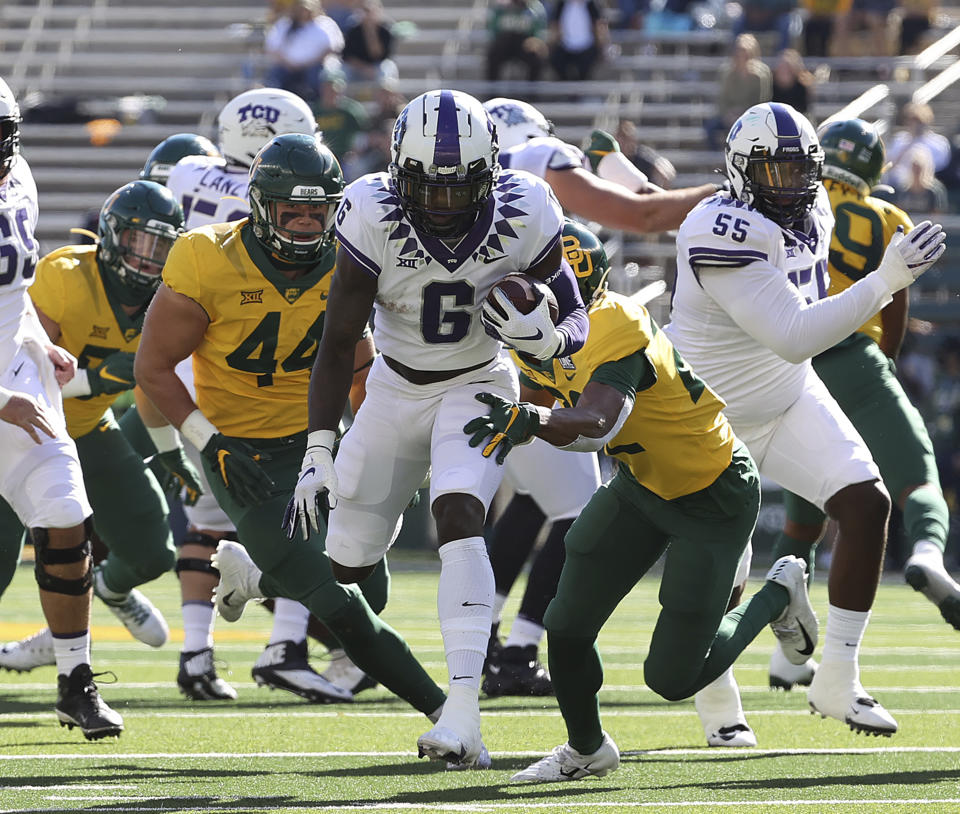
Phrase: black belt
[428,376]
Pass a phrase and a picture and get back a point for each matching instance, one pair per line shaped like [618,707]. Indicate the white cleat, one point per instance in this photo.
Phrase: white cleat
[239,579]
[284,666]
[784,675]
[137,613]
[797,627]
[721,714]
[442,743]
[34,651]
[924,572]
[345,674]
[483,761]
[566,763]
[850,704]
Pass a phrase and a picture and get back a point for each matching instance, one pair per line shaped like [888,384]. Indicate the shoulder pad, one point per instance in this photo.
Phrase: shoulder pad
[722,231]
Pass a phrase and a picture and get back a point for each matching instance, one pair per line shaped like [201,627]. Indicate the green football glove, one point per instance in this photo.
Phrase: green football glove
[237,464]
[114,375]
[510,423]
[601,143]
[176,473]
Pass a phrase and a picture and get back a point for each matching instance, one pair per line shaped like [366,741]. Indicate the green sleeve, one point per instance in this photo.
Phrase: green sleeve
[526,381]
[629,375]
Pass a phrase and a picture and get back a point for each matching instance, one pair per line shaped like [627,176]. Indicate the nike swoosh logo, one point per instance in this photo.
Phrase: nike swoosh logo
[226,598]
[808,650]
[475,605]
[537,335]
[454,678]
[310,471]
[573,772]
[18,369]
[110,377]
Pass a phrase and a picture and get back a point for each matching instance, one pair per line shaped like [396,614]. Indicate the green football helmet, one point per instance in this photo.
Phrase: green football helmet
[584,252]
[294,169]
[138,225]
[853,153]
[168,152]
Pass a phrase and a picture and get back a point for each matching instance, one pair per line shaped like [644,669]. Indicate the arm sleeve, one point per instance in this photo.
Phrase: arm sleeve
[629,375]
[761,300]
[573,322]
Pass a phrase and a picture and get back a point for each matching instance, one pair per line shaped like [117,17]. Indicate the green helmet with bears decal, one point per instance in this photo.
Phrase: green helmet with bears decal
[138,225]
[292,169]
[853,153]
[168,152]
[584,252]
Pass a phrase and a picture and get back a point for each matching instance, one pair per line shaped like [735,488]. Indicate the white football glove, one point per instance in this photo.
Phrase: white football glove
[909,256]
[317,480]
[532,333]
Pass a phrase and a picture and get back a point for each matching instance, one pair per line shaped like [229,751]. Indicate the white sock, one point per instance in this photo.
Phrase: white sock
[71,650]
[845,629]
[499,600]
[927,549]
[289,621]
[524,632]
[197,625]
[720,701]
[464,604]
[102,588]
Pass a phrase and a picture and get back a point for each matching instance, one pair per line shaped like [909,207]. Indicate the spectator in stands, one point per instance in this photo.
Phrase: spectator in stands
[516,31]
[821,20]
[915,22]
[339,118]
[578,37]
[669,15]
[744,82]
[766,15]
[923,193]
[299,46]
[917,131]
[874,17]
[340,11]
[373,156]
[368,45]
[657,168]
[387,104]
[793,84]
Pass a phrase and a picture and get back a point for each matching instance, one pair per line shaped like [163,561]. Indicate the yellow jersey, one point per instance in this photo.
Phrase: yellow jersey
[676,440]
[69,289]
[252,367]
[863,229]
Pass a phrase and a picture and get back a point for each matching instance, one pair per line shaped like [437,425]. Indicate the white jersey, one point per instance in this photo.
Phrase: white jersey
[757,384]
[427,311]
[19,252]
[209,191]
[537,155]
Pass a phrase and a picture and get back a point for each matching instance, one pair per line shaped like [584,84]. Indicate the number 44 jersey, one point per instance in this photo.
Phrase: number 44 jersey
[724,236]
[428,293]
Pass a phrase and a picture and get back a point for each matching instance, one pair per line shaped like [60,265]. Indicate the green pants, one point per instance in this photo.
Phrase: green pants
[616,539]
[299,569]
[129,512]
[863,382]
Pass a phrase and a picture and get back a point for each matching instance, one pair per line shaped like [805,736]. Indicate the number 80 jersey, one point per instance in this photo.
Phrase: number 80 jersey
[723,235]
[428,293]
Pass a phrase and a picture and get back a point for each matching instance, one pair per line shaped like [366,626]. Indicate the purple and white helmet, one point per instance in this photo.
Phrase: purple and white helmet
[516,121]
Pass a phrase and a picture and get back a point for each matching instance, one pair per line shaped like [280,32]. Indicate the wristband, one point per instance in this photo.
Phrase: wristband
[165,438]
[78,386]
[322,438]
[197,429]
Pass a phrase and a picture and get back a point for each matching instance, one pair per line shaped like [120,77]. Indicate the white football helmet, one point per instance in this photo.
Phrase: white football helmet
[9,129]
[775,162]
[444,161]
[250,120]
[516,121]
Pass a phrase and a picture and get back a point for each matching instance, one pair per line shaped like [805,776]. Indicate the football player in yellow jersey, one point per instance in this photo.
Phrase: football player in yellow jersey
[860,374]
[91,301]
[684,480]
[247,299]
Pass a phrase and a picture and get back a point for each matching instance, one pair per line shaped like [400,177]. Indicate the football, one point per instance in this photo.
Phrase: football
[524,291]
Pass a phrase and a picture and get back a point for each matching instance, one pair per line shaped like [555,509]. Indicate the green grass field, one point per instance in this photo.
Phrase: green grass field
[272,752]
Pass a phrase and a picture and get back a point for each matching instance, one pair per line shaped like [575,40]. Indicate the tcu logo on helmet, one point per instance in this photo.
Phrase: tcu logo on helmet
[271,114]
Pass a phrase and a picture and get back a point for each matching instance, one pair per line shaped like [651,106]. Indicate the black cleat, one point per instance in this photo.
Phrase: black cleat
[79,704]
[284,666]
[198,679]
[516,671]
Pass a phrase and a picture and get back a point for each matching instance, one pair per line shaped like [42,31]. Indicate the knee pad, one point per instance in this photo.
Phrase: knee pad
[206,540]
[45,555]
[196,565]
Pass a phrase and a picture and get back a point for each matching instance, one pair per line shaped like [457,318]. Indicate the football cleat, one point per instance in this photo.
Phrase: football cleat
[566,763]
[198,679]
[345,674]
[137,613]
[482,762]
[516,671]
[783,675]
[79,704]
[284,666]
[239,579]
[721,714]
[847,701]
[924,572]
[442,743]
[797,627]
[34,651]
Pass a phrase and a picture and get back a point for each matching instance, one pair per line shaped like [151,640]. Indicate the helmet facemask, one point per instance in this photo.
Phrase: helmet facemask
[782,186]
[9,143]
[141,251]
[283,224]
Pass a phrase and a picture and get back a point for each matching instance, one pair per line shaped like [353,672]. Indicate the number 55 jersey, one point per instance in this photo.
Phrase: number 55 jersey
[723,341]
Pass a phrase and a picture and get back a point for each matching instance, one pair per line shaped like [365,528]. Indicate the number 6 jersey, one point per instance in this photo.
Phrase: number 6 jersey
[723,236]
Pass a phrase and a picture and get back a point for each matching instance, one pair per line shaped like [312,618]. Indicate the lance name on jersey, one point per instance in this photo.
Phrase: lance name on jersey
[208,190]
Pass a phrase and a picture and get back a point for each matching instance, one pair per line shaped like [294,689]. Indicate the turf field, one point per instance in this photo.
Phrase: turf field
[271,752]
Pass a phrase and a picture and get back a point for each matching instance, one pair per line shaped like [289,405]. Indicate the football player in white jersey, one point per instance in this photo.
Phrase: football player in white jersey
[424,245]
[750,308]
[39,469]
